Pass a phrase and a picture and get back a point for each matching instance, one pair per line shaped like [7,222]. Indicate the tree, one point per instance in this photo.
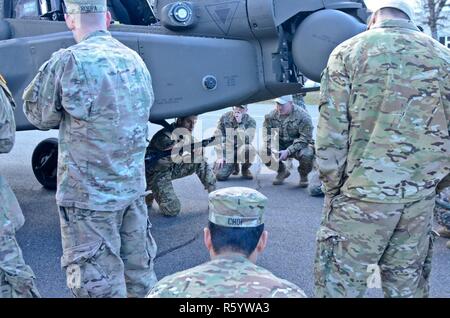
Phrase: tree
[434,14]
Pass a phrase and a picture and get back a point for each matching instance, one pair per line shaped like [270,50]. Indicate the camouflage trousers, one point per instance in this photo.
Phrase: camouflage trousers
[305,157]
[159,180]
[17,280]
[246,154]
[361,241]
[108,253]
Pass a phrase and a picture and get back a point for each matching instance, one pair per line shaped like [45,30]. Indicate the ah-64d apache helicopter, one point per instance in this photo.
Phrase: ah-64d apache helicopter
[203,55]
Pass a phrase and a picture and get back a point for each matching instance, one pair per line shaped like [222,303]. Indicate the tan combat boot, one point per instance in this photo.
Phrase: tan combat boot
[283,173]
[443,232]
[246,173]
[303,182]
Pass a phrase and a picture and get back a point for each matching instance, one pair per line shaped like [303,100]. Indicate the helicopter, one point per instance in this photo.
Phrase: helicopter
[203,55]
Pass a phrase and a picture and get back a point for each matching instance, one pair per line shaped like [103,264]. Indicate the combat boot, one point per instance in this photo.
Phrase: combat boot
[448,244]
[246,173]
[443,232]
[235,169]
[211,188]
[303,182]
[283,173]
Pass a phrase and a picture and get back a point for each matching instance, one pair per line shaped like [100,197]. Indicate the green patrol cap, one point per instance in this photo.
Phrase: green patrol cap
[237,207]
[85,6]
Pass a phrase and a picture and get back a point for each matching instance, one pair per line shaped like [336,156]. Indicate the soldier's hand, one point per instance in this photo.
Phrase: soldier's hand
[283,155]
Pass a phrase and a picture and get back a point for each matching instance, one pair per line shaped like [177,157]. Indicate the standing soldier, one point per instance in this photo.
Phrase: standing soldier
[293,127]
[236,129]
[16,278]
[442,209]
[234,238]
[99,92]
[382,147]
[160,174]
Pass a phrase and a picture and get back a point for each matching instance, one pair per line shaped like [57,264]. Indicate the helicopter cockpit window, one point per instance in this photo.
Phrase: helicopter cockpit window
[26,9]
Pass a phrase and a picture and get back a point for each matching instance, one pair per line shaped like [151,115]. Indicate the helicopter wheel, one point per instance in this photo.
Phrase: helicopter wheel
[45,162]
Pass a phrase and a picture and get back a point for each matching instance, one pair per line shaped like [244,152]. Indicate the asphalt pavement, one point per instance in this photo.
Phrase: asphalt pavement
[293,218]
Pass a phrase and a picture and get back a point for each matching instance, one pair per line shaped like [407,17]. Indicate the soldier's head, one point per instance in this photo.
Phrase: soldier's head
[187,122]
[284,104]
[86,16]
[236,223]
[390,9]
[239,111]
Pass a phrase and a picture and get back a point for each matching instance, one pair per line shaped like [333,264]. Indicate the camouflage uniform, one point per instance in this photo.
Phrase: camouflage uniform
[299,99]
[16,278]
[99,92]
[382,147]
[229,275]
[225,277]
[240,148]
[294,134]
[159,176]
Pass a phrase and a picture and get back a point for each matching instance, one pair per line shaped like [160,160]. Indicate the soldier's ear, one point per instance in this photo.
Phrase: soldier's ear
[108,19]
[262,243]
[70,21]
[207,241]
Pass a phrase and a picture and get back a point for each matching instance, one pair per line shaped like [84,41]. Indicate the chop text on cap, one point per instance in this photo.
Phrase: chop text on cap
[237,207]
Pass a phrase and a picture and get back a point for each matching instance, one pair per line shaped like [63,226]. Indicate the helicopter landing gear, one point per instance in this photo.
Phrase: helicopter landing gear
[45,162]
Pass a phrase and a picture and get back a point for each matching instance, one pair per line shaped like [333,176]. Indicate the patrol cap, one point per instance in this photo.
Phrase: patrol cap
[237,207]
[284,99]
[401,5]
[241,106]
[85,6]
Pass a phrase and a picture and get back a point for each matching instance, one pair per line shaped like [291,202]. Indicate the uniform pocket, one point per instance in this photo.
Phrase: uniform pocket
[329,244]
[85,275]
[329,205]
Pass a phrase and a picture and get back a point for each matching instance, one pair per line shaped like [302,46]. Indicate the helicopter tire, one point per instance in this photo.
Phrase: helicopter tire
[45,162]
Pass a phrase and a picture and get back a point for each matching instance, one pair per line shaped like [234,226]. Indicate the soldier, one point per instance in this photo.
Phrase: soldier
[382,147]
[234,238]
[160,175]
[16,278]
[236,130]
[294,126]
[299,100]
[442,209]
[99,92]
